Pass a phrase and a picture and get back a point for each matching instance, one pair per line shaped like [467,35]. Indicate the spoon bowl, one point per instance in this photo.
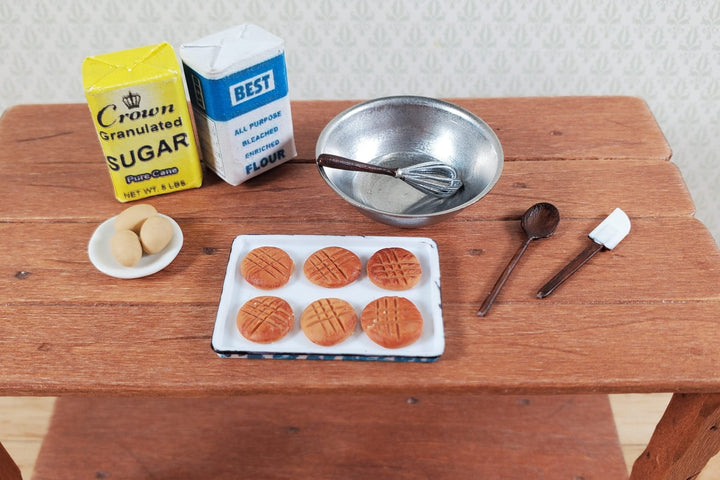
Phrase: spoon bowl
[540,220]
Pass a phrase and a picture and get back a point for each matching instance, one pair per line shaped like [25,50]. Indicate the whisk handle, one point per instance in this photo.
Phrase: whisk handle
[335,161]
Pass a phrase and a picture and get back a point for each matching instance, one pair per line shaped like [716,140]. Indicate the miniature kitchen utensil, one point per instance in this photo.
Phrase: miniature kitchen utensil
[539,221]
[432,177]
[394,132]
[605,236]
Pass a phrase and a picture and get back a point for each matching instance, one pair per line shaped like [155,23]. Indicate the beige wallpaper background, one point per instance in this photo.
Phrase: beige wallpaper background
[667,52]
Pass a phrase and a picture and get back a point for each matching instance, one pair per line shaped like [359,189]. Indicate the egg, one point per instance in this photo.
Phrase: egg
[133,217]
[155,234]
[125,247]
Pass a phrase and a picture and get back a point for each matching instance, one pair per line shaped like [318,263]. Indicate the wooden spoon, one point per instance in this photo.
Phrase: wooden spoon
[539,221]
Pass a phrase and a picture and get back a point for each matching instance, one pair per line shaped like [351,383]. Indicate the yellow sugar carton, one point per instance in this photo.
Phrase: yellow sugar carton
[237,81]
[141,114]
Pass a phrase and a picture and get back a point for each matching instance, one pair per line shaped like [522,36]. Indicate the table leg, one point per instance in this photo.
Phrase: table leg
[8,469]
[686,437]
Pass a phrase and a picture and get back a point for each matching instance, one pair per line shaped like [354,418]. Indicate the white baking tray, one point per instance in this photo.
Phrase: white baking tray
[299,292]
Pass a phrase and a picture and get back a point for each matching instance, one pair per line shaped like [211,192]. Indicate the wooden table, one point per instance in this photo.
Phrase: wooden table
[642,318]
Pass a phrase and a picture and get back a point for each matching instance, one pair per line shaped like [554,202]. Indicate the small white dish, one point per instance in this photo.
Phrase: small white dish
[102,258]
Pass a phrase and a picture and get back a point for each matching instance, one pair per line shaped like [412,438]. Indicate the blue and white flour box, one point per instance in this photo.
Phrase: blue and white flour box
[237,81]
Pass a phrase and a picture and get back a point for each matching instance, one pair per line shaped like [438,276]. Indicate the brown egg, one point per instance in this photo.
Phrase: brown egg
[155,234]
[133,217]
[125,247]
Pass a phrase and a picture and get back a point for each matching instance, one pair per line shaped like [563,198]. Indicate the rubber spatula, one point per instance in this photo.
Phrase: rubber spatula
[605,236]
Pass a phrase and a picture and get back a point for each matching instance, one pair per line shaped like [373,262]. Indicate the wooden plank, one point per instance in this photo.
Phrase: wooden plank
[685,439]
[47,135]
[529,128]
[578,189]
[533,128]
[51,152]
[572,128]
[165,350]
[329,436]
[52,266]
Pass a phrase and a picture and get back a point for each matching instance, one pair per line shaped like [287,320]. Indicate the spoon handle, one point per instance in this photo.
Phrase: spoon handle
[485,307]
[335,161]
[569,269]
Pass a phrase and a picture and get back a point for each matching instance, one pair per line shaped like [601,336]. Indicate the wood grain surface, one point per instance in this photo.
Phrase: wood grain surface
[24,422]
[333,436]
[640,318]
[685,439]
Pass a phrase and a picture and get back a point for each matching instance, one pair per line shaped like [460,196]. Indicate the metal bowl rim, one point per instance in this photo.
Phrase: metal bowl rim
[413,100]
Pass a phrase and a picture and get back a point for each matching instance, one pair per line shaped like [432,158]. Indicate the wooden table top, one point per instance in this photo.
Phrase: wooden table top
[641,318]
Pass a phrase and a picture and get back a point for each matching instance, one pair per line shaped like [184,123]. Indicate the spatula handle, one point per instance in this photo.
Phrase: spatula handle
[569,269]
[335,161]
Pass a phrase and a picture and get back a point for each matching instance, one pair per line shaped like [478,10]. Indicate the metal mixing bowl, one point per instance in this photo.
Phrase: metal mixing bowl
[402,130]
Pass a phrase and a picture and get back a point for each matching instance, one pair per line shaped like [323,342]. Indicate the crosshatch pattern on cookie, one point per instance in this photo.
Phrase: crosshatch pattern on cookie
[328,321]
[332,267]
[267,267]
[265,319]
[394,268]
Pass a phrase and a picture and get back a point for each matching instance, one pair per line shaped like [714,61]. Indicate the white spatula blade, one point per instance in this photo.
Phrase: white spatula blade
[612,230]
